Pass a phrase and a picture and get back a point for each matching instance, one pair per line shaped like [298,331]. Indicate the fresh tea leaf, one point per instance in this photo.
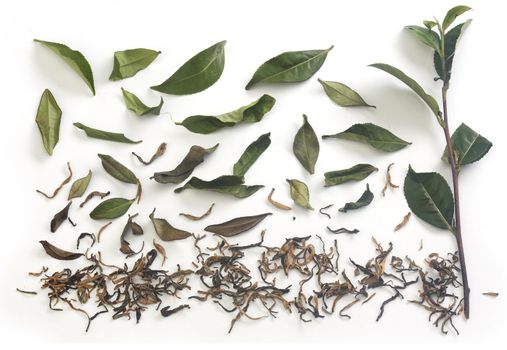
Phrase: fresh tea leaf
[128,62]
[74,59]
[306,146]
[469,146]
[137,106]
[452,14]
[48,119]
[236,226]
[166,231]
[342,95]
[229,184]
[197,74]
[356,173]
[58,253]
[111,208]
[299,193]
[117,170]
[251,154]
[426,36]
[104,135]
[79,186]
[365,199]
[450,40]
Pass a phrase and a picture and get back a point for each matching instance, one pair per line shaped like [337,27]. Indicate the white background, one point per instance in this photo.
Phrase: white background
[363,32]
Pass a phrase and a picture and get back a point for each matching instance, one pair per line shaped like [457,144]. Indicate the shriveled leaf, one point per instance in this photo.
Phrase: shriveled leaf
[426,36]
[48,119]
[450,40]
[128,62]
[74,59]
[403,222]
[251,113]
[194,157]
[236,226]
[111,208]
[251,154]
[137,106]
[229,184]
[430,198]
[161,250]
[79,186]
[342,95]
[200,217]
[158,153]
[104,135]
[389,182]
[57,190]
[452,14]
[289,67]
[60,218]
[197,74]
[356,173]
[372,134]
[58,253]
[275,203]
[299,193]
[165,230]
[133,227]
[117,170]
[306,146]
[469,146]
[94,194]
[169,311]
[365,199]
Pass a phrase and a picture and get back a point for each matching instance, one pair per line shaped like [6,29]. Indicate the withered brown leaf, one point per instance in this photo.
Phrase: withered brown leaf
[165,230]
[236,226]
[58,253]
[60,217]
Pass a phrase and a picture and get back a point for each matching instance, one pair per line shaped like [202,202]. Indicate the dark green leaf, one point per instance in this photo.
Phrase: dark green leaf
[289,67]
[48,119]
[194,157]
[197,74]
[104,135]
[58,253]
[426,36]
[372,134]
[236,226]
[230,184]
[356,173]
[469,146]
[137,106]
[79,186]
[165,230]
[342,95]
[365,199]
[111,208]
[452,14]
[251,154]
[117,170]
[74,59]
[429,197]
[127,63]
[306,146]
[451,39]
[299,193]
[252,113]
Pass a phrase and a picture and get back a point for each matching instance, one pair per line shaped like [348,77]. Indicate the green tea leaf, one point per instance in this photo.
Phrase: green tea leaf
[365,199]
[411,83]
[165,230]
[194,157]
[229,184]
[429,197]
[469,146]
[79,186]
[74,59]
[450,40]
[452,14]
[127,63]
[372,134]
[137,106]
[289,67]
[236,226]
[197,74]
[252,113]
[111,208]
[117,170]
[104,135]
[426,36]
[299,193]
[251,154]
[342,95]
[356,173]
[306,146]
[48,119]
[429,24]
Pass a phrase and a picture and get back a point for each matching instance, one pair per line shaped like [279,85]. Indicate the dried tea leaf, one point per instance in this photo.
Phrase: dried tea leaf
[128,62]
[343,230]
[26,291]
[251,154]
[74,59]
[491,294]
[165,230]
[194,157]
[275,203]
[159,153]
[197,74]
[136,230]
[372,134]
[229,184]
[236,226]
[365,199]
[389,182]
[79,186]
[60,218]
[64,182]
[101,229]
[403,222]
[134,104]
[251,113]
[94,194]
[356,173]
[161,251]
[117,170]
[84,235]
[306,146]
[111,208]
[299,193]
[48,120]
[469,146]
[342,95]
[167,311]
[58,253]
[104,135]
[321,210]
[289,67]
[197,218]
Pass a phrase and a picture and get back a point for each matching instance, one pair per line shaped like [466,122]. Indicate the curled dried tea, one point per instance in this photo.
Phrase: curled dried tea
[321,211]
[343,230]
[365,199]
[64,182]
[167,311]
[161,250]
[236,226]
[403,222]
[197,218]
[275,203]
[101,229]
[159,153]
[136,229]
[94,194]
[59,218]
[85,235]
[165,230]
[389,182]
[58,253]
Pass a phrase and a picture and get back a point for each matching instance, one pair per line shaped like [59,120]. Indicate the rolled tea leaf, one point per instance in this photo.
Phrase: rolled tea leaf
[197,74]
[342,95]
[74,59]
[136,230]
[236,226]
[194,157]
[469,146]
[356,173]
[251,154]
[117,170]
[48,119]
[306,146]
[372,134]
[251,113]
[60,218]
[289,67]
[111,208]
[229,184]
[299,193]
[166,231]
[450,41]
[128,62]
[365,199]
[104,135]
[158,153]
[134,104]
[452,14]
[79,186]
[58,253]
